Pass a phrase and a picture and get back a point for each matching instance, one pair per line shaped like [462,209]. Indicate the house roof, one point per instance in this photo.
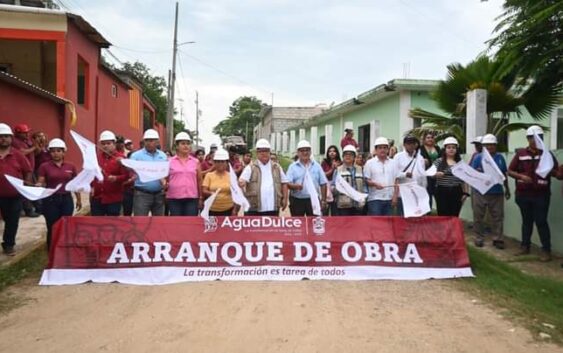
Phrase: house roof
[114,74]
[18,82]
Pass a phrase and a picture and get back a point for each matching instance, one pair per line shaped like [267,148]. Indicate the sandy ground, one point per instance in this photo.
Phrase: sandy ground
[305,316]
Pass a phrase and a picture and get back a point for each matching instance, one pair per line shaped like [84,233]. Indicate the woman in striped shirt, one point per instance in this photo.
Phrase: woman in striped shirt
[450,191]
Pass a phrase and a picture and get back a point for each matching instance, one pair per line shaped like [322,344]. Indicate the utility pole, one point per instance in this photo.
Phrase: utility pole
[196,119]
[170,112]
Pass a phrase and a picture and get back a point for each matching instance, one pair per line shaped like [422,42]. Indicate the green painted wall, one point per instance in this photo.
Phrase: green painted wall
[423,100]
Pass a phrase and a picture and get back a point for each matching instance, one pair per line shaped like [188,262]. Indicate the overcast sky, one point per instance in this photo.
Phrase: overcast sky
[304,52]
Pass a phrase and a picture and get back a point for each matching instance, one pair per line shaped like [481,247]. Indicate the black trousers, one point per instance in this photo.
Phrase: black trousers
[10,208]
[228,212]
[448,200]
[534,209]
[348,212]
[267,213]
[55,207]
[300,207]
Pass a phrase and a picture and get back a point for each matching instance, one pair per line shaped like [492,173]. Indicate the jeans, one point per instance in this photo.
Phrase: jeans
[145,202]
[348,212]
[10,208]
[534,209]
[55,207]
[183,207]
[379,208]
[108,209]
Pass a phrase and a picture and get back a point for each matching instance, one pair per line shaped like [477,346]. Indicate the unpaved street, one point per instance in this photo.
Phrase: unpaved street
[306,316]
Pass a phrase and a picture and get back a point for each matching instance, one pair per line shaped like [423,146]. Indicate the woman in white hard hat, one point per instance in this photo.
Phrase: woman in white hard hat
[184,195]
[52,173]
[220,179]
[450,191]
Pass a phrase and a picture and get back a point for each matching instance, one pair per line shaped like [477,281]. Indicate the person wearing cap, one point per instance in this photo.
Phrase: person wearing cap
[264,183]
[13,163]
[25,145]
[184,195]
[493,200]
[533,193]
[353,175]
[406,163]
[348,139]
[478,148]
[451,191]
[220,179]
[300,199]
[380,173]
[234,160]
[50,174]
[107,195]
[149,196]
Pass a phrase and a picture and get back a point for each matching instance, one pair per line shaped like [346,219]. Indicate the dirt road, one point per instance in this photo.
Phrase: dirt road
[306,316]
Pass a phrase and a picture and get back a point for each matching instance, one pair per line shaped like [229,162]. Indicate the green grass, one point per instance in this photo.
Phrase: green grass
[284,162]
[529,299]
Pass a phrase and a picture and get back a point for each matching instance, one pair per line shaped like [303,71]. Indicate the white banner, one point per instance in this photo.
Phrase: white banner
[416,201]
[31,193]
[81,182]
[309,187]
[207,205]
[344,188]
[236,191]
[431,171]
[89,156]
[148,170]
[490,167]
[480,181]
[546,160]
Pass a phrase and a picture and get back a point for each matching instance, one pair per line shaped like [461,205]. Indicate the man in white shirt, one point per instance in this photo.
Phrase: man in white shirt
[265,183]
[380,173]
[410,166]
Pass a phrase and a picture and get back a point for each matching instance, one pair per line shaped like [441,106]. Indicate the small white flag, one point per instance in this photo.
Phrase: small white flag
[148,170]
[480,181]
[546,160]
[309,188]
[236,191]
[490,167]
[344,188]
[431,171]
[81,182]
[415,199]
[207,205]
[89,156]
[32,193]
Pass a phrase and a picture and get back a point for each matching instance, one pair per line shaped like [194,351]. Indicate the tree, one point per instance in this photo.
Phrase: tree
[243,117]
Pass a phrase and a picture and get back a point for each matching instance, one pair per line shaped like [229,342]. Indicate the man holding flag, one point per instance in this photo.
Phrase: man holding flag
[493,164]
[348,175]
[532,167]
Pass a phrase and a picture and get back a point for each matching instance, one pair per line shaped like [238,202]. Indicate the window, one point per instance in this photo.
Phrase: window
[322,144]
[364,138]
[114,91]
[82,81]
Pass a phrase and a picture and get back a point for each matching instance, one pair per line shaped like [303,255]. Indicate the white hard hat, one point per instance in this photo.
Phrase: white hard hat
[349,148]
[263,143]
[5,129]
[213,145]
[151,134]
[221,155]
[107,136]
[489,139]
[477,139]
[303,144]
[57,143]
[381,141]
[451,141]
[127,141]
[534,129]
[182,136]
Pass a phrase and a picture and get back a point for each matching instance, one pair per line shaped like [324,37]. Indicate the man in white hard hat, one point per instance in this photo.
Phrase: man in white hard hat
[533,193]
[265,183]
[149,196]
[493,200]
[380,173]
[13,163]
[107,195]
[353,175]
[300,200]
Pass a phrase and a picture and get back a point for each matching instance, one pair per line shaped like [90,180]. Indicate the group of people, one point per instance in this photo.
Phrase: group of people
[305,187]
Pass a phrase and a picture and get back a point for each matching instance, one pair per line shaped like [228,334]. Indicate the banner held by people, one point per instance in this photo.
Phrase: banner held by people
[32,193]
[236,192]
[82,182]
[490,167]
[415,199]
[148,170]
[207,205]
[309,187]
[89,156]
[480,181]
[344,188]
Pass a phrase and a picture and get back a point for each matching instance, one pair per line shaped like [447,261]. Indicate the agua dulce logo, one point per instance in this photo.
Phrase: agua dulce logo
[237,224]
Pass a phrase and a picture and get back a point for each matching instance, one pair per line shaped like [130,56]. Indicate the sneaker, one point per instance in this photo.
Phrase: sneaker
[9,251]
[522,252]
[499,244]
[545,256]
[479,243]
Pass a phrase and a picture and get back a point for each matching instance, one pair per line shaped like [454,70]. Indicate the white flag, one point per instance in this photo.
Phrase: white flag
[490,167]
[480,181]
[81,182]
[415,199]
[431,171]
[309,188]
[89,156]
[148,170]
[546,160]
[344,188]
[236,191]
[207,205]
[32,193]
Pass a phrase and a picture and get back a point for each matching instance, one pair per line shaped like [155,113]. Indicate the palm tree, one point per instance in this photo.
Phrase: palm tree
[504,99]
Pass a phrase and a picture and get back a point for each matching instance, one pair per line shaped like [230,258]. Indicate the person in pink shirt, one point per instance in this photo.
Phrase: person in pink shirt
[184,196]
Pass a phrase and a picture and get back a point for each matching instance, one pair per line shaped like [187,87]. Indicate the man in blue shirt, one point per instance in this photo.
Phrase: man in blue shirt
[149,196]
[493,200]
[300,200]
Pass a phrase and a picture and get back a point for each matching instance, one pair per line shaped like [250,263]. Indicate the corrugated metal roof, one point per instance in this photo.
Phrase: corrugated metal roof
[16,81]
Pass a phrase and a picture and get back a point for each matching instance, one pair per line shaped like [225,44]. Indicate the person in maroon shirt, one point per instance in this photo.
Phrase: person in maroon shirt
[12,163]
[25,145]
[107,196]
[234,160]
[50,174]
[348,139]
[533,193]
